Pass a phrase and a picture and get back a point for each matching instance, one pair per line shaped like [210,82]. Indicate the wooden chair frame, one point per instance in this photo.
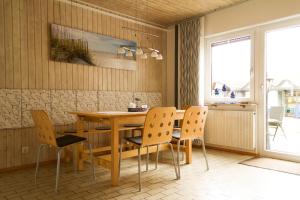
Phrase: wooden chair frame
[47,137]
[157,130]
[193,124]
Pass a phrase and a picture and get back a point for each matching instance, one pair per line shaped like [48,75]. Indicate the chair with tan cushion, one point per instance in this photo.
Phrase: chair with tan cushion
[157,130]
[47,137]
[192,128]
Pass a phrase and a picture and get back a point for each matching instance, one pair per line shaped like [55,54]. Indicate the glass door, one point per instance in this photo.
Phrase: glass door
[282,90]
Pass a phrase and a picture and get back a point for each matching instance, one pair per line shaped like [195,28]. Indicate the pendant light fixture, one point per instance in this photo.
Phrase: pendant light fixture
[140,50]
[129,53]
[121,50]
[159,57]
[144,56]
[154,54]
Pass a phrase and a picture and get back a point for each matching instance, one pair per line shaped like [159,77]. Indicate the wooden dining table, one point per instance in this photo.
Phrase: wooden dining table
[117,119]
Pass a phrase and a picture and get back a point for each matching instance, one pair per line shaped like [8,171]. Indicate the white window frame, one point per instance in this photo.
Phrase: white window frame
[261,92]
[208,68]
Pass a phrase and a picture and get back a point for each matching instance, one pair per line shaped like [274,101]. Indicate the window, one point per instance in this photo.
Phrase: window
[230,64]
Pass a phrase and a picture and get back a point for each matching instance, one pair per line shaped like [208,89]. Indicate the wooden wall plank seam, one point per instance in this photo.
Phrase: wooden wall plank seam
[25,61]
[8,31]
[2,46]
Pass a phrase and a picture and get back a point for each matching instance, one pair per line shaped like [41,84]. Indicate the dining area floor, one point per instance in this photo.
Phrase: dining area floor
[225,180]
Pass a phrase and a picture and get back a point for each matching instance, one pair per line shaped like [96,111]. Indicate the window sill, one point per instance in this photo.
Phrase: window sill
[233,107]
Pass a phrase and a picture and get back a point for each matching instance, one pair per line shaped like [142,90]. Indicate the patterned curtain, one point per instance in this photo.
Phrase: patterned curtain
[189,48]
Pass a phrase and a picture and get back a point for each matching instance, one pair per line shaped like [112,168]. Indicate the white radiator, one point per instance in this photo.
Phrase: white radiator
[232,129]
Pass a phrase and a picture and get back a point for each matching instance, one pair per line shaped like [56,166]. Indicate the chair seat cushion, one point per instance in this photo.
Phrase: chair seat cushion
[68,139]
[103,128]
[273,122]
[136,140]
[176,134]
[176,126]
[133,125]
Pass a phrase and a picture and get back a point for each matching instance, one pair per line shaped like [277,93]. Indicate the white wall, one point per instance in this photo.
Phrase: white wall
[249,13]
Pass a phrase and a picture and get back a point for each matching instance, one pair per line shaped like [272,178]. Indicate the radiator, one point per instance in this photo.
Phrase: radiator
[232,129]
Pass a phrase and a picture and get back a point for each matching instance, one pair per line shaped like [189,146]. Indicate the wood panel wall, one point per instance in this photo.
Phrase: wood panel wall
[24,49]
[25,64]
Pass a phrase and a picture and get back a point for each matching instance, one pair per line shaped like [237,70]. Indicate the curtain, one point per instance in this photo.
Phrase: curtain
[189,60]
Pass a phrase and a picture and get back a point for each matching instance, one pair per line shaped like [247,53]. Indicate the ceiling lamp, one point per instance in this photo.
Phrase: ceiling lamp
[129,54]
[159,57]
[139,51]
[121,50]
[154,54]
[144,56]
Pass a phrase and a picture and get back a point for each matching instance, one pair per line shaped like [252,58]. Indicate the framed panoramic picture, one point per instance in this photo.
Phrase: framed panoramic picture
[80,47]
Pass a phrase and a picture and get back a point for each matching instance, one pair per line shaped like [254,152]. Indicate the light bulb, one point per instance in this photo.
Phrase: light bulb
[121,50]
[139,51]
[159,57]
[129,54]
[154,54]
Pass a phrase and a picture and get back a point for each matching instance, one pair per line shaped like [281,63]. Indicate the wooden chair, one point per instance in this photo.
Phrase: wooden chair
[178,127]
[157,130]
[102,127]
[47,137]
[276,115]
[192,128]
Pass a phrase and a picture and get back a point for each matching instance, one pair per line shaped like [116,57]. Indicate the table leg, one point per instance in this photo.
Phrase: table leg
[79,147]
[188,152]
[114,152]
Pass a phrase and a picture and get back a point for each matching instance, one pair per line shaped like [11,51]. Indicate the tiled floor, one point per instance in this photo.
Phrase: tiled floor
[226,180]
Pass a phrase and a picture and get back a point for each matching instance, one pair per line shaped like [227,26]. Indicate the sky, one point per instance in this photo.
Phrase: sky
[283,55]
[231,63]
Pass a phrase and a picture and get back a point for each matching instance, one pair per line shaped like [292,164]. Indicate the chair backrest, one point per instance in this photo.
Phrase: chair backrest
[158,126]
[276,112]
[193,122]
[184,107]
[44,127]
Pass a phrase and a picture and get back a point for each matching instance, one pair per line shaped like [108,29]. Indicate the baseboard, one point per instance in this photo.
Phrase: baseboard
[228,149]
[27,166]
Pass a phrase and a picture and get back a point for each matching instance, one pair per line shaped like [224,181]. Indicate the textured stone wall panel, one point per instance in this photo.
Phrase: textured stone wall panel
[123,99]
[62,102]
[154,99]
[10,108]
[34,100]
[87,101]
[15,105]
[107,101]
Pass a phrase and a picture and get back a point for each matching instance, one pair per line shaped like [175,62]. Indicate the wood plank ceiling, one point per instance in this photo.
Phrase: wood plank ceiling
[162,12]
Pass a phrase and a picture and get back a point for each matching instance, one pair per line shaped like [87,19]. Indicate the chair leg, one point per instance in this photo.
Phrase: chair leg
[183,153]
[178,158]
[282,130]
[57,169]
[139,155]
[157,155]
[275,133]
[147,159]
[204,153]
[92,161]
[174,163]
[120,158]
[75,159]
[37,163]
